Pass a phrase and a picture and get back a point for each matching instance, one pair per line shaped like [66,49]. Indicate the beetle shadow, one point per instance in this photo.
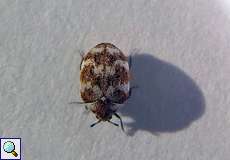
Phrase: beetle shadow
[166,100]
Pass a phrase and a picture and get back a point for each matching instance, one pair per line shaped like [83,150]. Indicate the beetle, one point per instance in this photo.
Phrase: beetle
[105,81]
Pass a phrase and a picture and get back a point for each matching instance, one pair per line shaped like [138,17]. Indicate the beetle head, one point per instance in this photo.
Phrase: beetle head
[103,110]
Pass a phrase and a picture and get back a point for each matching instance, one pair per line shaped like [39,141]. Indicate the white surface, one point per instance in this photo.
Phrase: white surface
[182,67]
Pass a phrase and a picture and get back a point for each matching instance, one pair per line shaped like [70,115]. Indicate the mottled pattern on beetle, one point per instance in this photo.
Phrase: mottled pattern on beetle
[104,72]
[108,54]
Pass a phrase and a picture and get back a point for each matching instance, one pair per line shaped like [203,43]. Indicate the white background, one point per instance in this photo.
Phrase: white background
[5,155]
[181,64]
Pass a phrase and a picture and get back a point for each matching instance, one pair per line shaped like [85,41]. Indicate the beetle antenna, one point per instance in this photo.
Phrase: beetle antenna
[92,125]
[122,127]
[115,124]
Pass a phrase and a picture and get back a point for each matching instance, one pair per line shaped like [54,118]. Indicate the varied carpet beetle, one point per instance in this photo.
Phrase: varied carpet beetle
[105,81]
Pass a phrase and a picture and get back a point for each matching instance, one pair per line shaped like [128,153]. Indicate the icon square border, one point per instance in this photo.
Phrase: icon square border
[20,147]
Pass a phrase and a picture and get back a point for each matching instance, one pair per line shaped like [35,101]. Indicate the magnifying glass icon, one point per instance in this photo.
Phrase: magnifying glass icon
[9,147]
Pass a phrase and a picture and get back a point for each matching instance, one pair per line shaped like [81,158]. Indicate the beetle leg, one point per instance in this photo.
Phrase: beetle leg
[81,102]
[131,89]
[130,61]
[86,108]
[77,102]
